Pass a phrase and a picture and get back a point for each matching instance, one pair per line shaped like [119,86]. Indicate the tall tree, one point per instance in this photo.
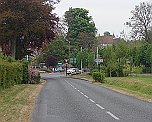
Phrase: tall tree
[86,40]
[57,48]
[141,20]
[26,25]
[78,21]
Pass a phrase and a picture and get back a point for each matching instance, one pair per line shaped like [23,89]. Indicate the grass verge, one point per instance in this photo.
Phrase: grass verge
[16,103]
[137,86]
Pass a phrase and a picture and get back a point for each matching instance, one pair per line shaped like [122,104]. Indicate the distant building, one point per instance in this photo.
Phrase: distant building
[106,40]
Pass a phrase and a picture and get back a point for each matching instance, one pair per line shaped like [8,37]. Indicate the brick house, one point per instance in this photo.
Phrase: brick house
[105,41]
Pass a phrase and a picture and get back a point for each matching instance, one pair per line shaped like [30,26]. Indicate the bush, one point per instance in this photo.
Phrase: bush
[98,76]
[126,70]
[34,76]
[137,70]
[94,70]
[10,73]
[25,72]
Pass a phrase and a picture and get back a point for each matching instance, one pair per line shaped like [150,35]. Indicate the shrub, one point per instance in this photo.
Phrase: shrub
[126,70]
[137,70]
[94,70]
[34,76]
[98,76]
[10,73]
[25,72]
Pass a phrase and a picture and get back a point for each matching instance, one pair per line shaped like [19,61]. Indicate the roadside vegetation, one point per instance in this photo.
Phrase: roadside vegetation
[16,102]
[31,36]
[139,86]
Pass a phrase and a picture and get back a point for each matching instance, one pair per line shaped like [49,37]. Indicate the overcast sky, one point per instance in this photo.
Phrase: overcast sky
[108,15]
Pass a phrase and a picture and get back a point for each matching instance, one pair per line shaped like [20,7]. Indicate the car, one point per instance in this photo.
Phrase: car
[73,71]
[59,69]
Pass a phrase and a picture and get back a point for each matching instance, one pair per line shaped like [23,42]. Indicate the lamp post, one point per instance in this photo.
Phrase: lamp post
[81,60]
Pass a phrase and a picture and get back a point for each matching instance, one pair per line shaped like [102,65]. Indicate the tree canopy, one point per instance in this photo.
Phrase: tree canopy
[26,25]
[78,21]
[141,21]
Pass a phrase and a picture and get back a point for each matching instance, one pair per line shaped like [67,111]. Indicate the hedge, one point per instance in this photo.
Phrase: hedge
[12,73]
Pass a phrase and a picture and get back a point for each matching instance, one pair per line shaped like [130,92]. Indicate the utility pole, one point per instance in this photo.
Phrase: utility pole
[97,56]
[81,60]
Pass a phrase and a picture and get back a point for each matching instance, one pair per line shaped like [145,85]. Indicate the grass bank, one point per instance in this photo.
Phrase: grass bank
[138,86]
[16,103]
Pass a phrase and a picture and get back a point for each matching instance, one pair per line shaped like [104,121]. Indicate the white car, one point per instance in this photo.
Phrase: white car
[73,71]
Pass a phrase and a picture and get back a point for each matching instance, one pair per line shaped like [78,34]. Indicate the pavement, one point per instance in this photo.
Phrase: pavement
[73,100]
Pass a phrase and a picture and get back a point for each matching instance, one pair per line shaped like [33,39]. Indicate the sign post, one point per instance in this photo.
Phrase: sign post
[98,61]
[66,60]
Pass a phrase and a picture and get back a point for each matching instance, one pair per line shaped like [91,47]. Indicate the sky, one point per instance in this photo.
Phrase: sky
[108,15]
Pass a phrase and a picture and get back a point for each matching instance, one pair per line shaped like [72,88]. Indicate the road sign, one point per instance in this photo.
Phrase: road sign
[99,60]
[73,60]
[66,60]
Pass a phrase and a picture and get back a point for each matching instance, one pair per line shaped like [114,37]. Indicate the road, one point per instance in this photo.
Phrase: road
[73,100]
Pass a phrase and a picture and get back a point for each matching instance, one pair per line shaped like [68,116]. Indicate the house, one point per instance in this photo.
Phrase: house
[106,40]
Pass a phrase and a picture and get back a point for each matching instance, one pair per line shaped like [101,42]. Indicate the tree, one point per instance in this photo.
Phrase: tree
[78,21]
[141,21]
[86,40]
[106,33]
[26,25]
[51,61]
[57,48]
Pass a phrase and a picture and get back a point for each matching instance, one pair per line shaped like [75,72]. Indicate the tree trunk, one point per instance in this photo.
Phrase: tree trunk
[13,48]
[110,72]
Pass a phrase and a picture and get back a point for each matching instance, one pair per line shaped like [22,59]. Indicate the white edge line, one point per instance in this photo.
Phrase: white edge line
[100,106]
[112,115]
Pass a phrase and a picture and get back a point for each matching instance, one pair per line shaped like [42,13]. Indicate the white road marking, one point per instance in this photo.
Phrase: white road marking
[100,106]
[112,115]
[92,100]
[82,93]
[86,96]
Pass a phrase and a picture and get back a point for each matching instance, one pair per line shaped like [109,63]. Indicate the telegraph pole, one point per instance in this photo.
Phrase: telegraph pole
[81,60]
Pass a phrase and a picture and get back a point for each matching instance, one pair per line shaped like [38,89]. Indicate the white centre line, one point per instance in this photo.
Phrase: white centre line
[82,93]
[112,115]
[92,100]
[100,106]
[86,96]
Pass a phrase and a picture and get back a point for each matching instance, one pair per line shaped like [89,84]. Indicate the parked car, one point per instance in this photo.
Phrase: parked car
[59,69]
[73,71]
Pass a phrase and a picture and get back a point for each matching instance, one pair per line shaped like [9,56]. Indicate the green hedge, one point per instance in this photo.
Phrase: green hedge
[98,76]
[12,73]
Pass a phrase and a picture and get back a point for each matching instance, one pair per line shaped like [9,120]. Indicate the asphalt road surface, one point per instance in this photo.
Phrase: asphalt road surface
[73,100]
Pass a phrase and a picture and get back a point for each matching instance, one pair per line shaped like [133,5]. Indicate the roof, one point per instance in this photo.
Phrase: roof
[105,39]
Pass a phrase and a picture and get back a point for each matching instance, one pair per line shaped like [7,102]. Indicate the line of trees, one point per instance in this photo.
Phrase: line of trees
[121,58]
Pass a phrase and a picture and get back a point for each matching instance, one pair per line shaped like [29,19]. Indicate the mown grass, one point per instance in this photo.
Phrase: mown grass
[142,85]
[16,102]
